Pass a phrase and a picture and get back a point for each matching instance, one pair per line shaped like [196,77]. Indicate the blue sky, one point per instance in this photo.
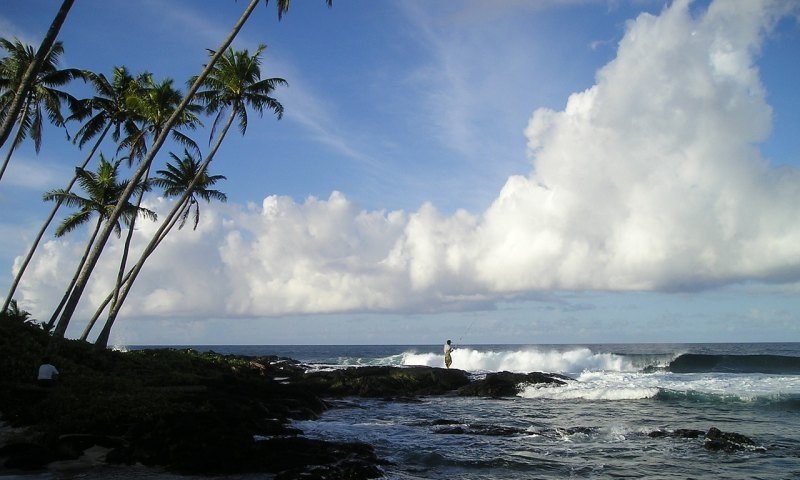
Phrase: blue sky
[536,172]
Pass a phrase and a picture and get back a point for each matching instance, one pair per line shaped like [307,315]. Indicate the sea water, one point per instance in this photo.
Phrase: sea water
[597,426]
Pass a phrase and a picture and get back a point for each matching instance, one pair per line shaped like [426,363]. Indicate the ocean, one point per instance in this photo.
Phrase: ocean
[598,426]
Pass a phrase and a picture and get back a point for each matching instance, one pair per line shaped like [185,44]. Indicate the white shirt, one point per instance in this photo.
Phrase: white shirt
[47,372]
[447,348]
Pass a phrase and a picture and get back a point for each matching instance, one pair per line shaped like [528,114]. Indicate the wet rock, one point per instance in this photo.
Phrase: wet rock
[679,433]
[574,430]
[451,430]
[384,381]
[477,429]
[507,384]
[72,446]
[300,457]
[495,430]
[194,442]
[717,440]
[444,421]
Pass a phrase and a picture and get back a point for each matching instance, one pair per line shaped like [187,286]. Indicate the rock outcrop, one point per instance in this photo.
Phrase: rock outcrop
[507,384]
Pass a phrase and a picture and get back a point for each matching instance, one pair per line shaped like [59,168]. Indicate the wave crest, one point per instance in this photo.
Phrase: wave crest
[529,360]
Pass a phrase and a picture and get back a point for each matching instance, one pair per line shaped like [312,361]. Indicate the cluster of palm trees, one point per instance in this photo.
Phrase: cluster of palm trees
[139,113]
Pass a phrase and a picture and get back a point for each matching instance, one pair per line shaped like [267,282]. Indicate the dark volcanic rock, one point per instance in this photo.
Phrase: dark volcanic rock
[727,441]
[451,430]
[450,427]
[506,384]
[72,446]
[444,421]
[298,457]
[384,381]
[679,433]
[26,456]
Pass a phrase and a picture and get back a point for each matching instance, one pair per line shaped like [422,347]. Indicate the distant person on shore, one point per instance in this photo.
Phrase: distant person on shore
[47,373]
[448,349]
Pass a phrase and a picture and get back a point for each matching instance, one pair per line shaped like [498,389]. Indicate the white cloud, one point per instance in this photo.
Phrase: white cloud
[649,180]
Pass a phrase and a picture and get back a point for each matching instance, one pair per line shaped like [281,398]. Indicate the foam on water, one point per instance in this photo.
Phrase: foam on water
[597,385]
[528,360]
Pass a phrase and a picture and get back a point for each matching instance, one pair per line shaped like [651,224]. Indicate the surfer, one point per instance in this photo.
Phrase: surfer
[448,349]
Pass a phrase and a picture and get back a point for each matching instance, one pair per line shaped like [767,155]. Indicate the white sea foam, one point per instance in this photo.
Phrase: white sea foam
[595,385]
[529,360]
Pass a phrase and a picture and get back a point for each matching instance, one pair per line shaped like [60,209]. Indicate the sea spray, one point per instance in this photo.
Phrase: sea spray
[716,388]
[526,360]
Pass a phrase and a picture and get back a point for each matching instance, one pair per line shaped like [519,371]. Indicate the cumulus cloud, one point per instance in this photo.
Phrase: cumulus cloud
[649,180]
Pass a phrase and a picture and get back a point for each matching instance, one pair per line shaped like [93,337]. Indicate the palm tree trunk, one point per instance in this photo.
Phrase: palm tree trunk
[102,339]
[46,224]
[27,78]
[13,146]
[128,239]
[72,303]
[110,296]
[75,276]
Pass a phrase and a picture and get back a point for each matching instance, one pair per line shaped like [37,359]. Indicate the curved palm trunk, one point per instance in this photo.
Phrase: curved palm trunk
[110,296]
[102,339]
[75,276]
[14,144]
[128,239]
[46,224]
[72,303]
[27,78]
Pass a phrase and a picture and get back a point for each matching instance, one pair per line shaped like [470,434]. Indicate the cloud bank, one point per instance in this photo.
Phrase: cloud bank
[649,180]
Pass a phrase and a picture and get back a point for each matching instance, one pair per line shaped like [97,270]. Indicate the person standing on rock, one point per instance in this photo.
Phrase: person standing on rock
[448,349]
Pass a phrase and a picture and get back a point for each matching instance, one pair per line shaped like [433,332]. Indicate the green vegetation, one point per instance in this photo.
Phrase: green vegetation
[100,393]
[183,410]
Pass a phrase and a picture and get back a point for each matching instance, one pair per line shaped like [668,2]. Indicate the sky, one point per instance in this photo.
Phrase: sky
[570,171]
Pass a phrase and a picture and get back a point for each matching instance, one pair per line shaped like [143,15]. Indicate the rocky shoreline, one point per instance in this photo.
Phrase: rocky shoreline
[205,413]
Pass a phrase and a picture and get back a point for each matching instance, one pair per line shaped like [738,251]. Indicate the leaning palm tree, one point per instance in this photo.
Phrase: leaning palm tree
[102,193]
[69,308]
[27,78]
[154,105]
[42,97]
[233,85]
[109,108]
[175,180]
[179,176]
[107,111]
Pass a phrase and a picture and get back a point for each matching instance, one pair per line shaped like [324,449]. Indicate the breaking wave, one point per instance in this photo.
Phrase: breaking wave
[535,360]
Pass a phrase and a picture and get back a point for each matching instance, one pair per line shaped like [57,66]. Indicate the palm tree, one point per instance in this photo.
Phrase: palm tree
[107,110]
[177,179]
[42,97]
[15,314]
[80,285]
[109,107]
[27,78]
[154,105]
[102,189]
[233,85]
